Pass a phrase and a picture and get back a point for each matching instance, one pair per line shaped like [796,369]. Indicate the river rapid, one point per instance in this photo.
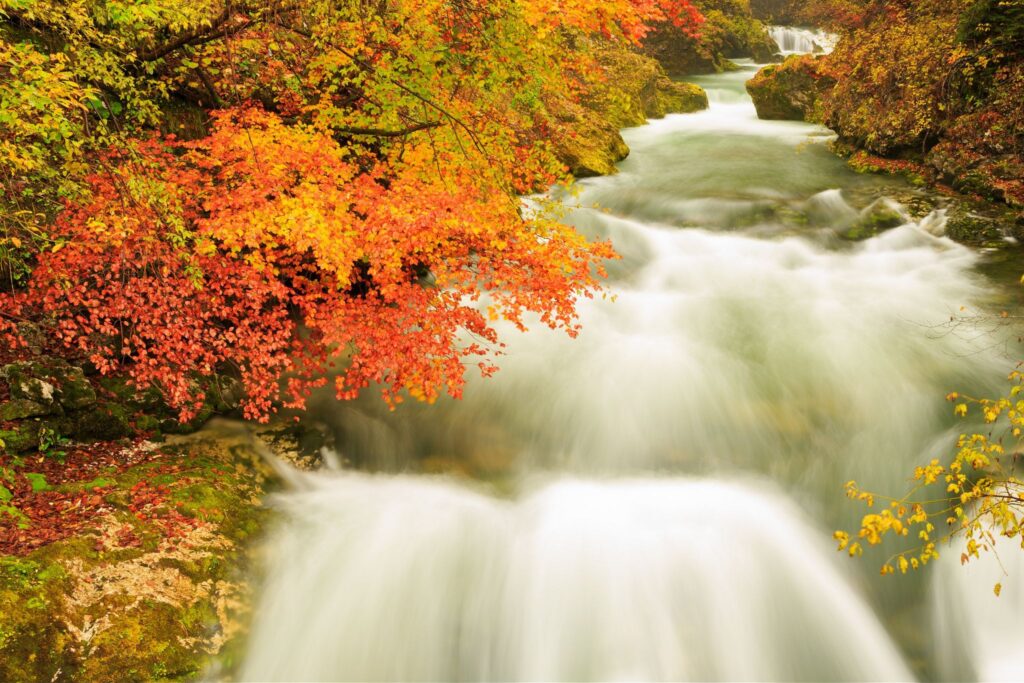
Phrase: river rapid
[655,499]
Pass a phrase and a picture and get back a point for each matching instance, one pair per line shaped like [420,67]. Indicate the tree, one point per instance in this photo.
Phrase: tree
[344,180]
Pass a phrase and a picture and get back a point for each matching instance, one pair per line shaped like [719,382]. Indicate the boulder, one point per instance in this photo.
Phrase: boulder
[20,408]
[633,88]
[49,381]
[791,91]
[20,438]
[74,390]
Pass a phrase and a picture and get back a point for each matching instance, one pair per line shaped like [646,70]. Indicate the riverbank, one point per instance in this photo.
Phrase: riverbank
[133,560]
[930,91]
[127,539]
[160,557]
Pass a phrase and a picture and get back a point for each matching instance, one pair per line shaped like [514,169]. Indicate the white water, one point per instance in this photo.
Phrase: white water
[746,339]
[649,579]
[792,40]
[969,617]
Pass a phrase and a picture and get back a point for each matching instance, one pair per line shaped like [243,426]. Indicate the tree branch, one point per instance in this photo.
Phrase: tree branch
[385,133]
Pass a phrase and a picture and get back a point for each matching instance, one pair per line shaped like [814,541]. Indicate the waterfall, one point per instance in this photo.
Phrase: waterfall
[970,618]
[792,41]
[638,579]
[654,499]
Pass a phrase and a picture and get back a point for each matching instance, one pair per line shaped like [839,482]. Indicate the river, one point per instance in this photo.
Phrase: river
[655,499]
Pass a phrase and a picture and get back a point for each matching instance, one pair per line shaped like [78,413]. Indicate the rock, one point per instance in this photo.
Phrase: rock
[22,437]
[23,380]
[883,214]
[172,605]
[20,408]
[634,88]
[102,422]
[790,91]
[675,97]
[74,390]
[48,381]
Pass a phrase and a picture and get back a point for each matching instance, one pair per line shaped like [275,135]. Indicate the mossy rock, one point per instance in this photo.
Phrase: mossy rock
[90,609]
[102,422]
[790,91]
[880,216]
[634,89]
[21,408]
[24,436]
[75,391]
[48,381]
[675,97]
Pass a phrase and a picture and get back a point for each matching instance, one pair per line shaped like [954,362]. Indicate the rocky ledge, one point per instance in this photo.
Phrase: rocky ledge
[132,560]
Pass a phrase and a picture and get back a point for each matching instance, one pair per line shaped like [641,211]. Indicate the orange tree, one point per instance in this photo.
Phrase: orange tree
[261,186]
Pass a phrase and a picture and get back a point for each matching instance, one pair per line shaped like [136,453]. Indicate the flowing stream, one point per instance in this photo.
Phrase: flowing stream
[655,499]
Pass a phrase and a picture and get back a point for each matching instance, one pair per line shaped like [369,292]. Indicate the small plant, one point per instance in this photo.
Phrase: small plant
[52,443]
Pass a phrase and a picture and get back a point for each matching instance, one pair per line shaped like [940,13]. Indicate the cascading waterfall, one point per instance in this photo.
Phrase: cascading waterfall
[640,579]
[792,40]
[969,617]
[646,490]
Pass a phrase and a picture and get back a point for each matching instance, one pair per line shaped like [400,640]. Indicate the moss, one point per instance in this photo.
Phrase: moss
[95,611]
[634,88]
[791,91]
[20,408]
[102,422]
[23,436]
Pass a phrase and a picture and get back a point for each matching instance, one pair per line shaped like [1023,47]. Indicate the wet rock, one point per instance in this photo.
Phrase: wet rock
[675,97]
[881,215]
[634,88]
[790,91]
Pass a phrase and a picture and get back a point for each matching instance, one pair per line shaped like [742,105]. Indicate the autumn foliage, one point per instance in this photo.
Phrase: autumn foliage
[343,184]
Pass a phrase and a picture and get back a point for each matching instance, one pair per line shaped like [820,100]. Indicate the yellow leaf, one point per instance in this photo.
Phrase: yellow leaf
[997,589]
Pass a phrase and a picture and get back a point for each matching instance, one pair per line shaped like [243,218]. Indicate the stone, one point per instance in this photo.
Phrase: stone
[22,437]
[49,381]
[75,391]
[20,408]
[790,91]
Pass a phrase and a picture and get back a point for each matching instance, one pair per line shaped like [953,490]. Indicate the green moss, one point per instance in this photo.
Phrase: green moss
[22,437]
[791,91]
[160,627]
